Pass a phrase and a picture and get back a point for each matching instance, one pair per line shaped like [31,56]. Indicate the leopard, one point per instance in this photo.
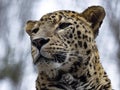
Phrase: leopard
[64,50]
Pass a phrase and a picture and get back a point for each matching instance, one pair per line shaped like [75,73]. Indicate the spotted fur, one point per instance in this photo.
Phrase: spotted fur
[64,49]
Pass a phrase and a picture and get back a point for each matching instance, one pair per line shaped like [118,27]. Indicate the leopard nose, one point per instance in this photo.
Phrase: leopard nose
[40,42]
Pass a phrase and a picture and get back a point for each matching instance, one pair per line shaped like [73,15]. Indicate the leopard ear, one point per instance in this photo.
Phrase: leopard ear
[29,25]
[94,15]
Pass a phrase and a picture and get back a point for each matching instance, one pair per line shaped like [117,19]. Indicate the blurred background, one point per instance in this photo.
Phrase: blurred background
[16,69]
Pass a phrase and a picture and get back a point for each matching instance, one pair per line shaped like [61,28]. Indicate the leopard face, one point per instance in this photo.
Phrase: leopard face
[59,34]
[65,40]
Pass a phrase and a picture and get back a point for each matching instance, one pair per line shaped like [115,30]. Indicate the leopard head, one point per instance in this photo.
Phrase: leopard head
[61,34]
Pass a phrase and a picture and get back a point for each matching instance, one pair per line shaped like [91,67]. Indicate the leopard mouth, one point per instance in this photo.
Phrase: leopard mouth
[41,58]
[59,58]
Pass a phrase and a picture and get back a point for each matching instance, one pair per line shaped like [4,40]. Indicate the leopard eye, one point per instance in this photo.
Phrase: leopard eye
[64,25]
[35,30]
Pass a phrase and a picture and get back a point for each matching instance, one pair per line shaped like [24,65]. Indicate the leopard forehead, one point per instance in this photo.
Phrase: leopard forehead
[57,16]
